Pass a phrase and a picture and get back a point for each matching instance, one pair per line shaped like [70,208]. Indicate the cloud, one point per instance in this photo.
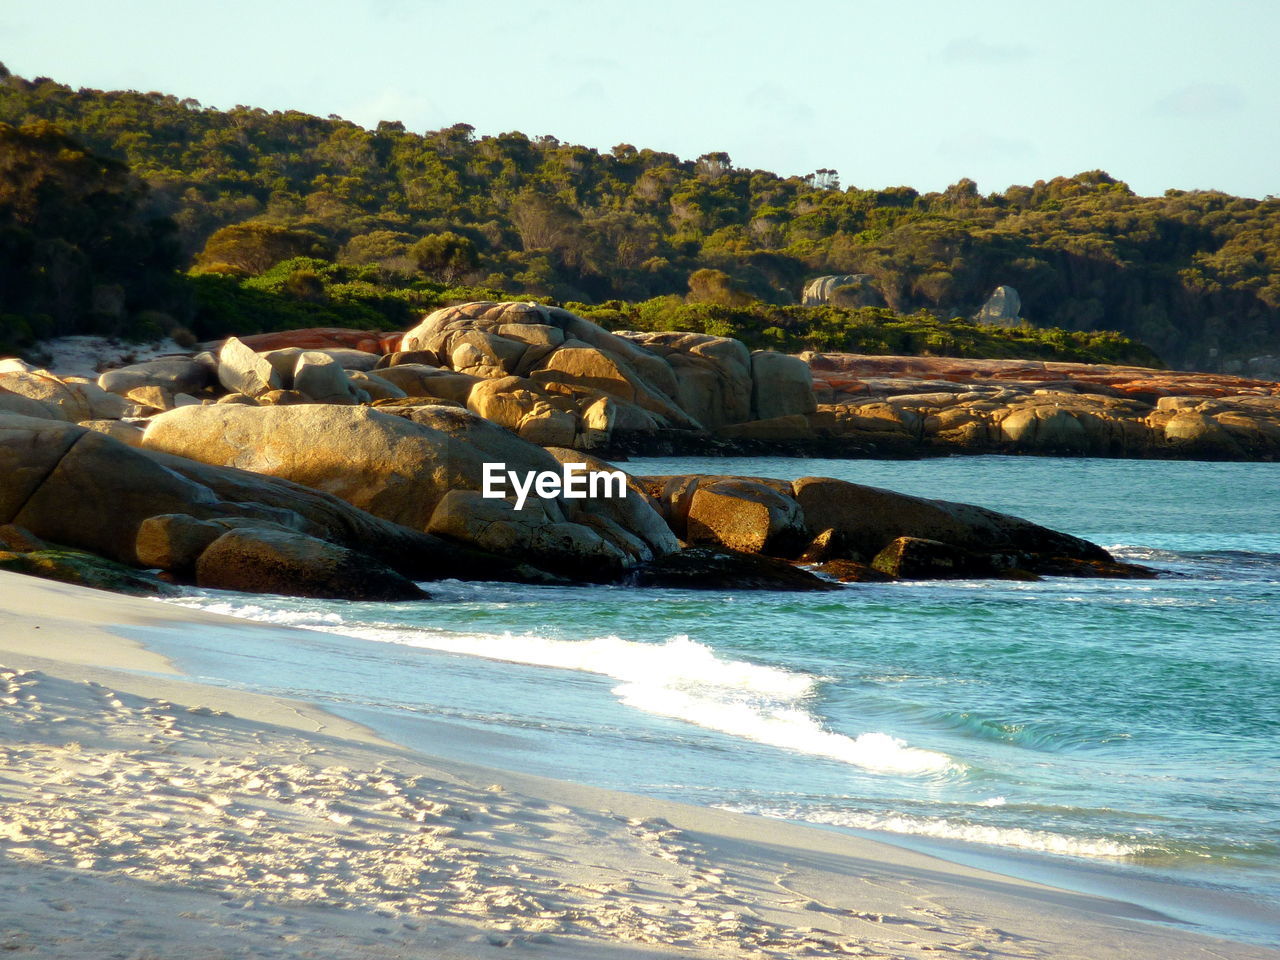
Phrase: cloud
[974,49]
[1201,100]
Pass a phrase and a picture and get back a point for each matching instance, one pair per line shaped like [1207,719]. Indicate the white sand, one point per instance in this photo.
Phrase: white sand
[143,816]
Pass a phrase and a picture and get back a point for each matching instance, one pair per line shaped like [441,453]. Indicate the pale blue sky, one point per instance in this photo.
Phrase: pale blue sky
[1180,94]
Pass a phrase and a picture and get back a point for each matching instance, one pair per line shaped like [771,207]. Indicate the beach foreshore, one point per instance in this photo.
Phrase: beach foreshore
[145,815]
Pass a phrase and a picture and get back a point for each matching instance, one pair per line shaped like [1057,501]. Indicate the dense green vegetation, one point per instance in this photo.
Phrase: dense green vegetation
[873,330]
[287,219]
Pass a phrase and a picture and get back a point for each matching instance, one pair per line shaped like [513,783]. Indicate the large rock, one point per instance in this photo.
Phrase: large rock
[868,519]
[63,400]
[551,346]
[175,374]
[1002,309]
[30,450]
[390,466]
[538,532]
[241,370]
[402,470]
[524,408]
[582,365]
[76,487]
[846,290]
[274,560]
[747,516]
[283,361]
[174,541]
[378,388]
[320,377]
[781,385]
[713,374]
[423,380]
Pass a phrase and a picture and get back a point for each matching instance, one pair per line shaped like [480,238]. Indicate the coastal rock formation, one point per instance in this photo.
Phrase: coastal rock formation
[865,520]
[424,472]
[713,374]
[77,488]
[653,382]
[848,528]
[928,404]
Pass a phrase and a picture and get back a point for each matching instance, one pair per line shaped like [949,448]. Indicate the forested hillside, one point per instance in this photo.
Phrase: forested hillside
[284,218]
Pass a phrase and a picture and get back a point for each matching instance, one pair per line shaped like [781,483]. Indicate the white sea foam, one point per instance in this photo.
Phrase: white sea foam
[681,679]
[1040,841]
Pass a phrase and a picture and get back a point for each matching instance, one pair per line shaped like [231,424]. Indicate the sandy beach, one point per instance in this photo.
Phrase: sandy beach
[146,816]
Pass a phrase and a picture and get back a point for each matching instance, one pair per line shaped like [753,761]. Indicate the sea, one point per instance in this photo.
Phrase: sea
[1119,737]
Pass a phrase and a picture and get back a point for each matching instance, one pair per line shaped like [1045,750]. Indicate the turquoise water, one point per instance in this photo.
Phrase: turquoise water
[1131,726]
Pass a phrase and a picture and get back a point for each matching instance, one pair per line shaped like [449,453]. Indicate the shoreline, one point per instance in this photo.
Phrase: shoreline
[678,881]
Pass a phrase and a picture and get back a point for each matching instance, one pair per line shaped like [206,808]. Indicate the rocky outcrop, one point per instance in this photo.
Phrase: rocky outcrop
[78,488]
[843,290]
[855,533]
[1002,309]
[904,405]
[865,520]
[556,379]
[713,374]
[618,386]
[426,473]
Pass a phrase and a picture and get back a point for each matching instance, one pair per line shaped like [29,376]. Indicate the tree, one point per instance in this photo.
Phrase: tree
[77,245]
[542,222]
[715,286]
[254,247]
[445,256]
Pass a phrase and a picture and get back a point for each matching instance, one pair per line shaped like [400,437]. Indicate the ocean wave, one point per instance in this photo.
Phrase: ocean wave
[1041,841]
[679,678]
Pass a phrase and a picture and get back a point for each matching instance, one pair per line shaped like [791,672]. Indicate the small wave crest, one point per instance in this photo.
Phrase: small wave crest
[1041,841]
[679,678]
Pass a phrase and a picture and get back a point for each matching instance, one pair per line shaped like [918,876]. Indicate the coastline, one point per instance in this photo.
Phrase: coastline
[546,867]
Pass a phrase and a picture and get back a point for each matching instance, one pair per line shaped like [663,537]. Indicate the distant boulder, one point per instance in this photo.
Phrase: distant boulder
[1002,309]
[842,290]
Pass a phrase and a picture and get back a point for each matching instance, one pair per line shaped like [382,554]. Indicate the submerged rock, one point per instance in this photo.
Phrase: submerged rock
[706,568]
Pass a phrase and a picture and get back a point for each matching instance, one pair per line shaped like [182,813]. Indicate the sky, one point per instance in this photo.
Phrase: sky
[1176,94]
